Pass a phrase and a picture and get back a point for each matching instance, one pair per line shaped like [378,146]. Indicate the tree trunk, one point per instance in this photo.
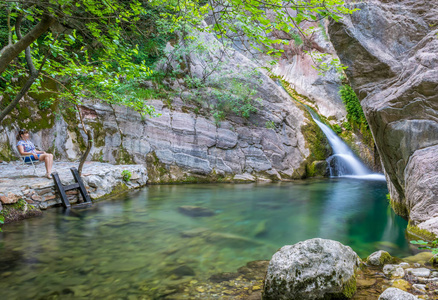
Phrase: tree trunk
[20,95]
[87,151]
[10,52]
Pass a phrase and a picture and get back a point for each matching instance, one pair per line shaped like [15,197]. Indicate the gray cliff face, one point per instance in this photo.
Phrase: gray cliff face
[179,144]
[391,50]
[322,91]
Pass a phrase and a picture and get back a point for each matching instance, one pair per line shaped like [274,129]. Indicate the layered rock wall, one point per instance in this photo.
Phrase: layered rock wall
[391,50]
[185,143]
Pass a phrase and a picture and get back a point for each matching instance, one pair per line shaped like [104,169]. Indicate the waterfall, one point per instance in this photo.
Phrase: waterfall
[343,162]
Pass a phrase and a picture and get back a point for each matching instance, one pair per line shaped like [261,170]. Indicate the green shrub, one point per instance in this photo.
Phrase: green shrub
[126,175]
[270,125]
[432,246]
[337,129]
[347,126]
[352,105]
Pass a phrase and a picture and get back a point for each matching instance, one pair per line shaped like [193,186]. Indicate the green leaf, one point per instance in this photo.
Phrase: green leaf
[419,242]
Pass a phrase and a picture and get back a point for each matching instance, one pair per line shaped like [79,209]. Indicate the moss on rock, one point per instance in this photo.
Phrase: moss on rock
[350,288]
[379,258]
[117,189]
[398,207]
[123,157]
[317,143]
[19,211]
[414,233]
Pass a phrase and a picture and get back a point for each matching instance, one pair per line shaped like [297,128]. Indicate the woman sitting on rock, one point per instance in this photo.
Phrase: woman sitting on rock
[26,147]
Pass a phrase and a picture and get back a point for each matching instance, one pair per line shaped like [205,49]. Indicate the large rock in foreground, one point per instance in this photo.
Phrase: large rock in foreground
[391,50]
[313,269]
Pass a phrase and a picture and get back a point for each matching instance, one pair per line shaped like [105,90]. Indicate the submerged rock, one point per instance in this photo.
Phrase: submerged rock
[225,276]
[183,271]
[421,257]
[231,240]
[195,211]
[396,294]
[313,269]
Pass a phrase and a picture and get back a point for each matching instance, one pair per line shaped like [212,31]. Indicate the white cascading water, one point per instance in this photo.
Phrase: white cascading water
[347,165]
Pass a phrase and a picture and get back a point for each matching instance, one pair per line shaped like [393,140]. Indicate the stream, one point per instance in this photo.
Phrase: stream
[118,248]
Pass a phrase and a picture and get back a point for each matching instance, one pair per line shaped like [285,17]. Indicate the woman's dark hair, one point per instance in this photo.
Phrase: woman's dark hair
[20,134]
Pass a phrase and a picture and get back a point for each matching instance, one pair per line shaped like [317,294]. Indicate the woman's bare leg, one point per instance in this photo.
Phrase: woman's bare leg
[51,162]
[48,161]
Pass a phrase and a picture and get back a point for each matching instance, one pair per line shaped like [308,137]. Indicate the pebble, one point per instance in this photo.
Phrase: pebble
[393,271]
[419,287]
[404,265]
[419,272]
[401,284]
[426,280]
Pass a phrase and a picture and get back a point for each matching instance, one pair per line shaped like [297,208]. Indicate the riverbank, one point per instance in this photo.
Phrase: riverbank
[19,187]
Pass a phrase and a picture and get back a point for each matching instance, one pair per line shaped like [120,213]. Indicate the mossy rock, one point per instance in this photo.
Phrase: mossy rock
[19,211]
[379,258]
[434,261]
[319,168]
[316,141]
[6,153]
[399,208]
[415,233]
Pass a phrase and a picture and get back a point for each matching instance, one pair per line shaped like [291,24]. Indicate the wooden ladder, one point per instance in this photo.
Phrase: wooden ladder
[78,185]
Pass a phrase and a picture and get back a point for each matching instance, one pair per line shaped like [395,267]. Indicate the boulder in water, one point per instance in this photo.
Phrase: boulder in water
[313,269]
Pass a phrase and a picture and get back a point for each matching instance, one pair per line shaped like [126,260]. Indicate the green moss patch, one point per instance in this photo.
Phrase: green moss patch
[19,211]
[398,207]
[118,189]
[415,233]
[350,288]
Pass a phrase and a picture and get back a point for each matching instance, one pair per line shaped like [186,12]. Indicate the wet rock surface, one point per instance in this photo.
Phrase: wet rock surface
[393,68]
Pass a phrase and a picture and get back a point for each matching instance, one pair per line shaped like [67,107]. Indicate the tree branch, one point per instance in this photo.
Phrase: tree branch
[12,51]
[9,27]
[28,55]
[33,76]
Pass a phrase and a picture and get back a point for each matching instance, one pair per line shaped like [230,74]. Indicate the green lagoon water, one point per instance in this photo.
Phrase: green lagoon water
[122,247]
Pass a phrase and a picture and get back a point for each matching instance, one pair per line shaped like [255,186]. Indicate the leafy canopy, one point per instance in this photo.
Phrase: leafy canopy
[96,46]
